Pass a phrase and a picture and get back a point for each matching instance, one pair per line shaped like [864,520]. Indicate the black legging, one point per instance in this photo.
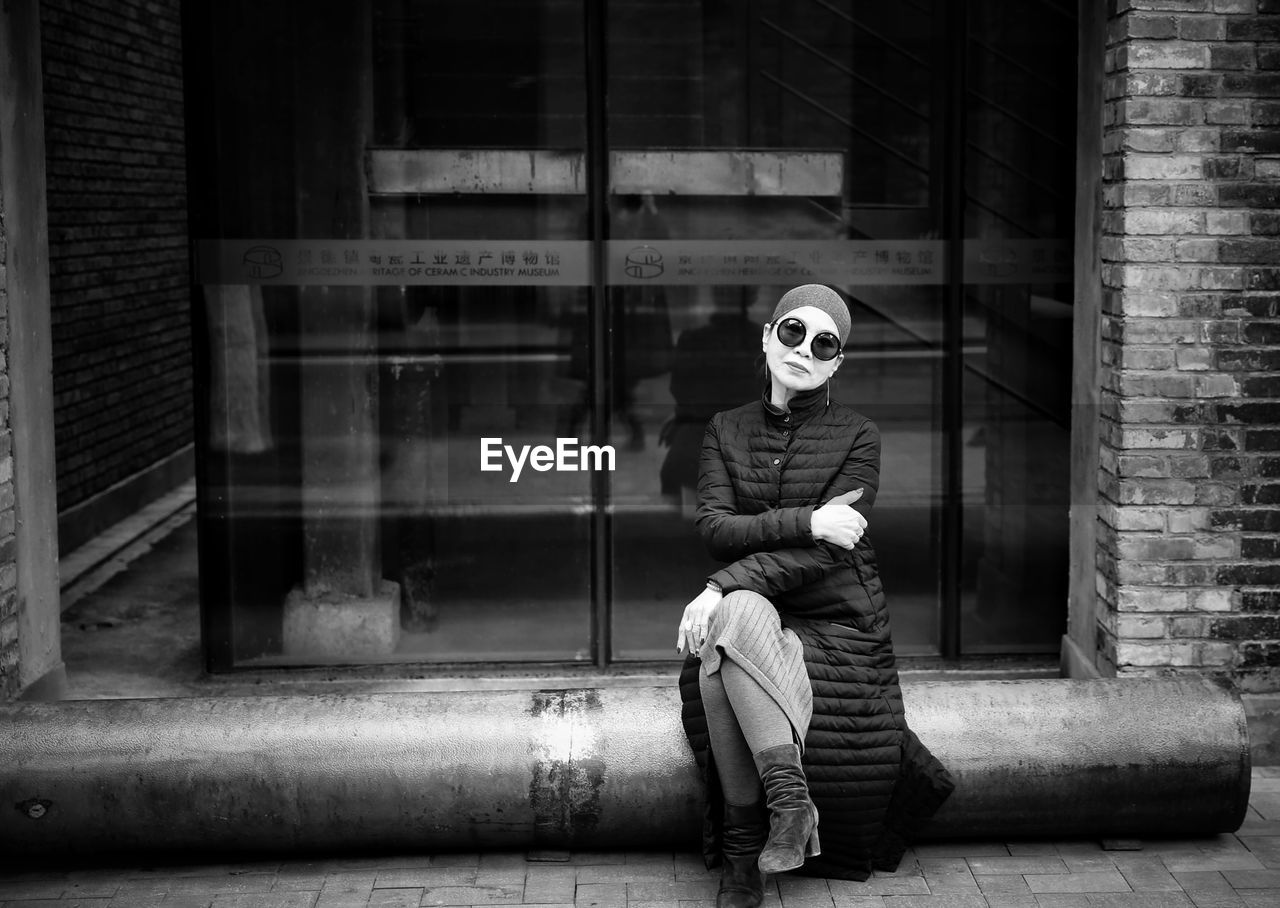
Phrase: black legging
[742,719]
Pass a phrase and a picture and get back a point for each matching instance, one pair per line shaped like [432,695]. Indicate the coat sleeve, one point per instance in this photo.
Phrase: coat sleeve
[860,470]
[784,568]
[771,573]
[729,535]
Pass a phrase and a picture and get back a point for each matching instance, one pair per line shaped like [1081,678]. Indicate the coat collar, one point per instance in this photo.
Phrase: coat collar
[803,405]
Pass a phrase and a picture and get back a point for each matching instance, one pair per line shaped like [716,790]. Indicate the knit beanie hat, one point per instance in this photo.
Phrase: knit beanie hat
[819,297]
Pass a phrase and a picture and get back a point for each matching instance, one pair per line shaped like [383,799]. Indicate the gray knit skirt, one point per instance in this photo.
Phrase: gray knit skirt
[745,629]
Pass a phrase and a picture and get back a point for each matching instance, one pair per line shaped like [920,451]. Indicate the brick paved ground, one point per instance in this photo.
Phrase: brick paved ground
[1212,872]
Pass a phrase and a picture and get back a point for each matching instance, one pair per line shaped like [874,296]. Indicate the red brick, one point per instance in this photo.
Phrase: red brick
[1188,466]
[1198,194]
[1201,140]
[1149,140]
[1262,278]
[1200,305]
[1235,7]
[1226,112]
[1256,519]
[1226,168]
[1163,167]
[1196,250]
[1260,140]
[1197,28]
[1166,112]
[1227,222]
[1184,6]
[1232,56]
[1249,250]
[1253,28]
[1163,55]
[1163,221]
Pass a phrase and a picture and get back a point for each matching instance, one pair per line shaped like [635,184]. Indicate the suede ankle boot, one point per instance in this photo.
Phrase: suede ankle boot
[793,820]
[741,882]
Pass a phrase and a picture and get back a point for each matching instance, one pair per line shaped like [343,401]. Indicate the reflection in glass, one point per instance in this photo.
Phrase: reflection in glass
[347,515]
[778,81]
[346,424]
[1019,210]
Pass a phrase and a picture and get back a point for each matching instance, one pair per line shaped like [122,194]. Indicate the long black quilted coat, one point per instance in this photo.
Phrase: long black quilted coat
[762,472]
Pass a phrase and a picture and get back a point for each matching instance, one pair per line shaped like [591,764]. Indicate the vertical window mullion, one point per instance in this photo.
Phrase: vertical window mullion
[955,39]
[597,161]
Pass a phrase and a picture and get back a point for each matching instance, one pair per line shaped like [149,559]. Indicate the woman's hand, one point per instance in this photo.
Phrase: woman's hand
[697,615]
[837,523]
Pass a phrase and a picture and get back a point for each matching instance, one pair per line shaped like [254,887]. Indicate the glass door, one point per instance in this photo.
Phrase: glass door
[479,138]
[755,147]
[395,273]
[916,156]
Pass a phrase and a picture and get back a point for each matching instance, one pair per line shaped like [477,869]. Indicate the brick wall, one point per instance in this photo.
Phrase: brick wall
[117,239]
[1189,486]
[8,554]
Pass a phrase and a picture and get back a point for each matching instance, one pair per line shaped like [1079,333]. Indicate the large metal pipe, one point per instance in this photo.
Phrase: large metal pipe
[571,768]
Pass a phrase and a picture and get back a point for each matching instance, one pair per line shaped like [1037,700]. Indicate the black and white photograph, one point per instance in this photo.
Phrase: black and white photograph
[639,453]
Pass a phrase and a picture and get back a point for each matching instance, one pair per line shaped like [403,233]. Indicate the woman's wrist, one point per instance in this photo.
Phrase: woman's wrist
[714,587]
[817,528]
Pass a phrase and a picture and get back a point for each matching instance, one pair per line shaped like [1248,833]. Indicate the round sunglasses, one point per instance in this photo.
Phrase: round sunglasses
[791,331]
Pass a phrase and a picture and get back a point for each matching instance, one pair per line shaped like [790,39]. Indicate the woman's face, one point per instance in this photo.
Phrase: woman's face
[795,369]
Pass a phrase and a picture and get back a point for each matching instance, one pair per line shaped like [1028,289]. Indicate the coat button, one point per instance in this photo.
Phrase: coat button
[776,461]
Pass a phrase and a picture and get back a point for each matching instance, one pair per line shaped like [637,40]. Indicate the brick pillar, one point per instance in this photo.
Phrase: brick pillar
[1188,533]
[30,643]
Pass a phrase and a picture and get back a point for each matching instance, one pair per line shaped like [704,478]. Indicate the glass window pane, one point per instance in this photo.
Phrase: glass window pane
[1018,340]
[395,256]
[761,146]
